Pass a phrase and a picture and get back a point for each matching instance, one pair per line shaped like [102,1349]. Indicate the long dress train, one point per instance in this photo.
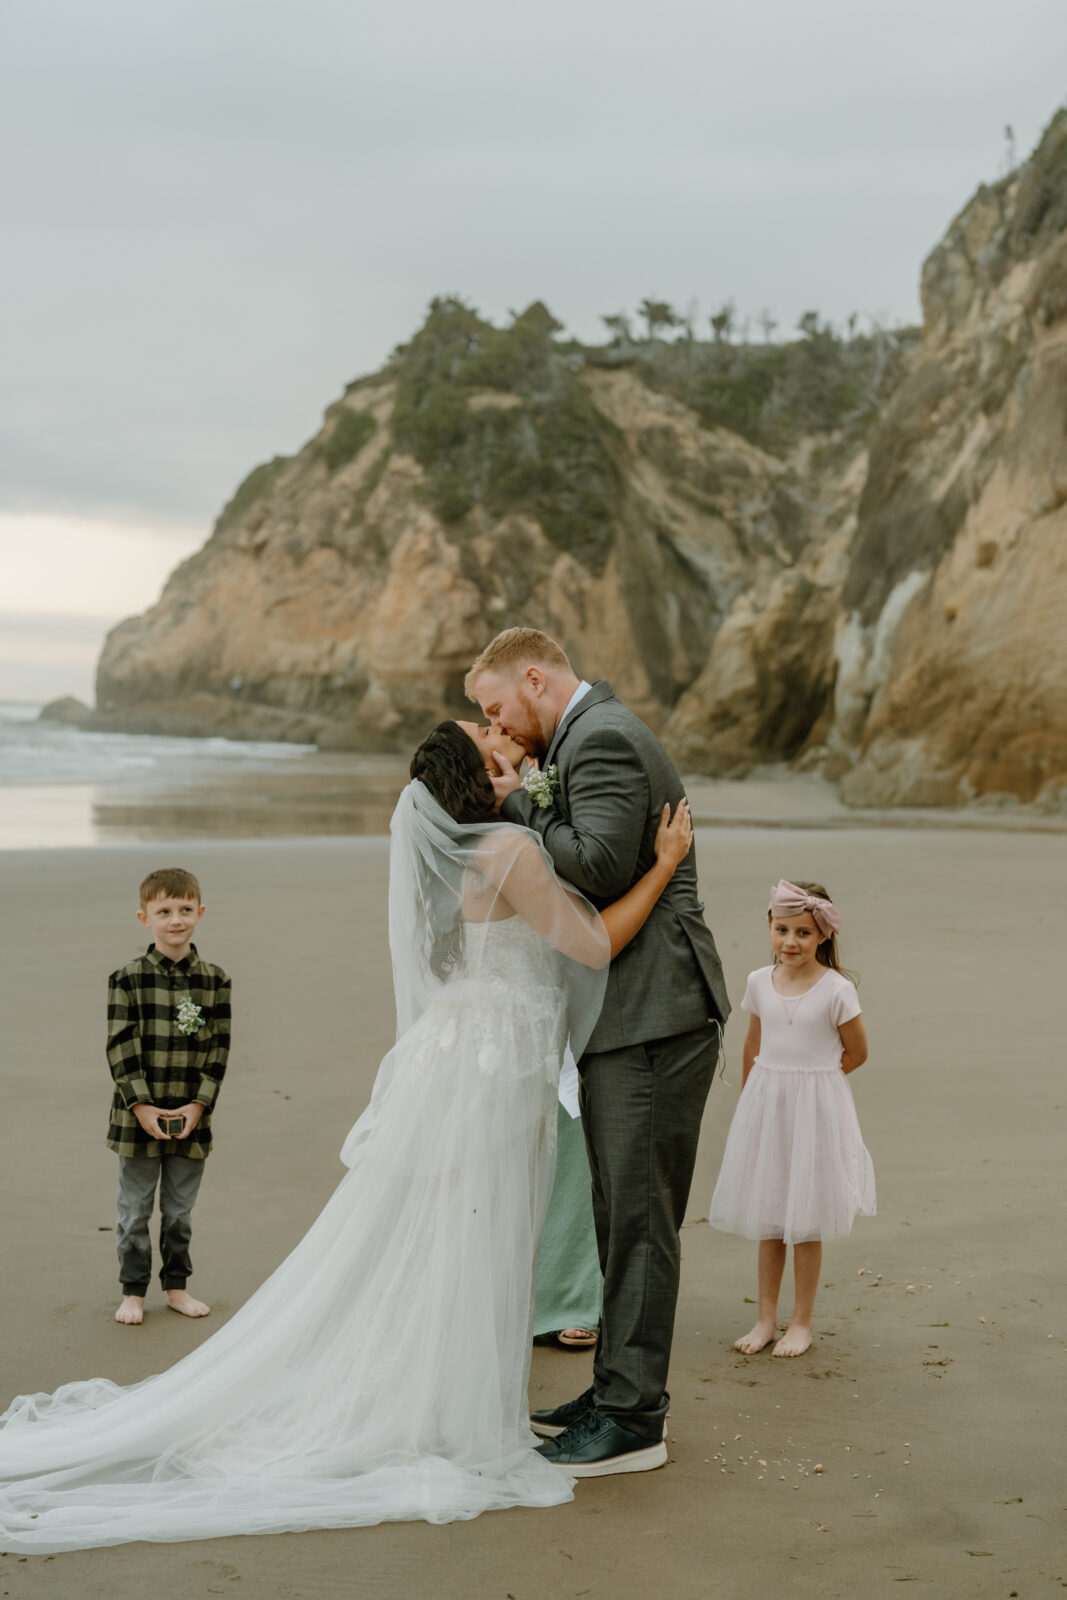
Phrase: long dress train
[381,1372]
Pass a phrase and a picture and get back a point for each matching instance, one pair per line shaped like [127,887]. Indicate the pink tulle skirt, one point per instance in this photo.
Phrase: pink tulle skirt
[795,1166]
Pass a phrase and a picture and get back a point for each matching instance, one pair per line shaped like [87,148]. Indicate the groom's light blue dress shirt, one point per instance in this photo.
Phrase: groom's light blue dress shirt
[579,694]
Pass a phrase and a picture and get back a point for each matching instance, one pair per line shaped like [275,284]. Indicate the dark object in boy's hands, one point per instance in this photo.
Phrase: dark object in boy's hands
[172,1125]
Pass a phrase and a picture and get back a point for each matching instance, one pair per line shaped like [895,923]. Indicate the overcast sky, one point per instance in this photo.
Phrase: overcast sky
[215,214]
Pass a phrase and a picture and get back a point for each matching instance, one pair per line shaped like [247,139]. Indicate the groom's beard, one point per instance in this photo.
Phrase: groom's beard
[529,732]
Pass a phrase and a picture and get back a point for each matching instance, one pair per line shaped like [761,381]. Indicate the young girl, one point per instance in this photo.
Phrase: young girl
[795,1169]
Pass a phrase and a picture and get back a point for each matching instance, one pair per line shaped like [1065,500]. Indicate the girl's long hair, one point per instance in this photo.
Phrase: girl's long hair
[827,954]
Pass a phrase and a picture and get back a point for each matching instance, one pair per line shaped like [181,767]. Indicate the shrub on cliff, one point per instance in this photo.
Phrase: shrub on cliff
[248,491]
[777,394]
[548,455]
[351,432]
[1041,206]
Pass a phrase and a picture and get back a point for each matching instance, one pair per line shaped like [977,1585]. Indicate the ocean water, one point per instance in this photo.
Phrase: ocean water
[62,787]
[46,752]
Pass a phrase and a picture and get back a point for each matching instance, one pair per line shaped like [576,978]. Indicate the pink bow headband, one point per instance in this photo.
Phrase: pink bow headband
[789,901]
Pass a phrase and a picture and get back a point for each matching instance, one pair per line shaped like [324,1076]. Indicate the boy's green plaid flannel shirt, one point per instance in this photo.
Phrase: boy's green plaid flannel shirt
[151,1061]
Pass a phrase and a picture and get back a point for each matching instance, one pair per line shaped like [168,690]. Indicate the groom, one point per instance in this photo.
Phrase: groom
[648,1067]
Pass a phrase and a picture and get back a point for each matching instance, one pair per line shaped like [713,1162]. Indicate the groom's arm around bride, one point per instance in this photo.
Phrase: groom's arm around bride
[649,1064]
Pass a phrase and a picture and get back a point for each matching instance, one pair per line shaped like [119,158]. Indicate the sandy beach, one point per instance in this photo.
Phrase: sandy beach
[919,1442]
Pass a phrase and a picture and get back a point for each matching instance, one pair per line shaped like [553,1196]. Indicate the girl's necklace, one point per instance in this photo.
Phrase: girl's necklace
[789,1015]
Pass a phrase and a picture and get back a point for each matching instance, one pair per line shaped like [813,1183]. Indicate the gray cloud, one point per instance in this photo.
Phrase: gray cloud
[217,214]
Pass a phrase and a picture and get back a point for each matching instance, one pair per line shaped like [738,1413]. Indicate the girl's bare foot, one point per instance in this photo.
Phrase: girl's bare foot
[794,1341]
[131,1311]
[761,1335]
[180,1300]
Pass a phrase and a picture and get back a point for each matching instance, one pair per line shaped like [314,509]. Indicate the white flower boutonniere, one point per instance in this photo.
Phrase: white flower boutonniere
[542,786]
[190,1017]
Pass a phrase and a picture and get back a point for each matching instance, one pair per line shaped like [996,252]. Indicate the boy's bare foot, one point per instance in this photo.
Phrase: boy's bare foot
[181,1300]
[794,1342]
[761,1335]
[131,1311]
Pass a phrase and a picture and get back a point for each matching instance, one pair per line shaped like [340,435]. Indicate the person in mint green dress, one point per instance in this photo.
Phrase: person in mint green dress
[569,1283]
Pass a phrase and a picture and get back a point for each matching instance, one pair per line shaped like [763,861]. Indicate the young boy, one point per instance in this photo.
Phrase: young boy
[168,1037]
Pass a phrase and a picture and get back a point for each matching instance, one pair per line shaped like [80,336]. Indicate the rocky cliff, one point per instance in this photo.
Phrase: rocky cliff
[951,642]
[488,477]
[848,553]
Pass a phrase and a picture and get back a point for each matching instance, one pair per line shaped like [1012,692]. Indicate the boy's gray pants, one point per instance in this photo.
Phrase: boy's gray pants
[178,1179]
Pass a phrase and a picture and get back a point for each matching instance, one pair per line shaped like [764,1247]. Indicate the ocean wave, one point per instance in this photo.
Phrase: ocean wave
[34,752]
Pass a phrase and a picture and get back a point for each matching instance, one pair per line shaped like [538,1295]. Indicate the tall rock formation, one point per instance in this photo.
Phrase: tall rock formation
[951,647]
[924,643]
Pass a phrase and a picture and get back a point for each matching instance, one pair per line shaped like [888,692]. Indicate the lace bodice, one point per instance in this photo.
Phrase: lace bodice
[507,1000]
[509,951]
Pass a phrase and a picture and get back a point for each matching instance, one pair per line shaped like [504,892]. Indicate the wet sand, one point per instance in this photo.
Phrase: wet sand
[309,795]
[932,1399]
[314,794]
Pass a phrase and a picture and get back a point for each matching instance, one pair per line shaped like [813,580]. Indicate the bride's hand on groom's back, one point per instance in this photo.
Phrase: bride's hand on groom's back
[674,836]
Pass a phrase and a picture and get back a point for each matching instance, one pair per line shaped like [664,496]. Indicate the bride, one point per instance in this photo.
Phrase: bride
[380,1374]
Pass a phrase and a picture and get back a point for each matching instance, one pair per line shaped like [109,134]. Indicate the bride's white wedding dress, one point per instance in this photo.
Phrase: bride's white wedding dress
[381,1372]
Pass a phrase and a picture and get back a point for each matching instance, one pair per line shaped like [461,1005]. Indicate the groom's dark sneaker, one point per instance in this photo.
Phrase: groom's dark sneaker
[549,1424]
[594,1446]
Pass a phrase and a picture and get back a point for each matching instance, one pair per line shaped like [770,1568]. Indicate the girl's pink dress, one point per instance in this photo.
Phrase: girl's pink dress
[795,1166]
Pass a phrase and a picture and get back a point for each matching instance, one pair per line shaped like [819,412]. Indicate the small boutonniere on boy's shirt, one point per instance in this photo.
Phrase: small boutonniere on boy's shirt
[190,1017]
[541,786]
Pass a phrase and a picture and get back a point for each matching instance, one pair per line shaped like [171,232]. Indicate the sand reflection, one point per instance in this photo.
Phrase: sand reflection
[342,796]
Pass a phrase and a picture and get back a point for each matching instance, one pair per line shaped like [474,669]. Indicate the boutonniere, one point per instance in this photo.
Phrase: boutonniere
[542,786]
[190,1017]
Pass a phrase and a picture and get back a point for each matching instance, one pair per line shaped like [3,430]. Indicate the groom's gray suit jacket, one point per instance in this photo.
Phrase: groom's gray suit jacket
[614,780]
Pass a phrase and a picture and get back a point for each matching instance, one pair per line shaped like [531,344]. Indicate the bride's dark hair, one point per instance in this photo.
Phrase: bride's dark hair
[448,763]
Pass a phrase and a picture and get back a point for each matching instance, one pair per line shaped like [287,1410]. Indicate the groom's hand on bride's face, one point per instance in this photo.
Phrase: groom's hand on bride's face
[505,780]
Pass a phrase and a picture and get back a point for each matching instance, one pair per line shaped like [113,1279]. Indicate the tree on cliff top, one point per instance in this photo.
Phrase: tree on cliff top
[658,314]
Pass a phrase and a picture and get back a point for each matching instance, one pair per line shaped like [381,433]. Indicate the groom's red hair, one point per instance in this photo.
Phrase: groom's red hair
[516,647]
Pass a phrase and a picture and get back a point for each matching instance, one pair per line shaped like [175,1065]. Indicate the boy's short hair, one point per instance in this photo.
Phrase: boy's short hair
[515,647]
[172,883]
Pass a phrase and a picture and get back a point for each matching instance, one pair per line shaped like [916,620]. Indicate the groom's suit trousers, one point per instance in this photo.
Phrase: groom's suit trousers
[641,1108]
